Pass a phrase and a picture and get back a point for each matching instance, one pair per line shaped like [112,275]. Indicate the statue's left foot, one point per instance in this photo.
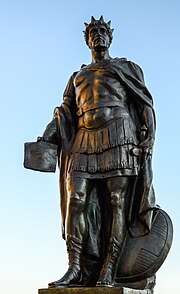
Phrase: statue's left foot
[106,279]
[108,270]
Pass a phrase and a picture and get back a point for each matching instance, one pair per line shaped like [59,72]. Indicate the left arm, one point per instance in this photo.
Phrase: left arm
[149,122]
[147,117]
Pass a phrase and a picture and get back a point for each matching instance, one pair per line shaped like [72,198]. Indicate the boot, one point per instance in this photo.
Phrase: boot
[73,274]
[109,268]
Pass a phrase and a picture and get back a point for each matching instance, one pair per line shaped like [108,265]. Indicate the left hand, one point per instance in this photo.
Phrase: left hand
[146,147]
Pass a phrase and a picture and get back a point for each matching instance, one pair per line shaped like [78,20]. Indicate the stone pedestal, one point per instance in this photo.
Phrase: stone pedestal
[94,290]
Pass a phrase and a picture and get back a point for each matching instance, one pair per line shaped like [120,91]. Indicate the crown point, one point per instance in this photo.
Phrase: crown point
[101,18]
[92,19]
[109,23]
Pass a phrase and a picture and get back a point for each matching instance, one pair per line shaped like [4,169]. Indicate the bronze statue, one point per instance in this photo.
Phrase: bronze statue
[105,131]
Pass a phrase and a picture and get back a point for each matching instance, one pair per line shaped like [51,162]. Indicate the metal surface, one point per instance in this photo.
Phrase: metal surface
[40,156]
[104,132]
[143,256]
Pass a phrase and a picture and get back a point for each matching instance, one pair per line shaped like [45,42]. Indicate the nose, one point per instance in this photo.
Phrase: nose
[99,32]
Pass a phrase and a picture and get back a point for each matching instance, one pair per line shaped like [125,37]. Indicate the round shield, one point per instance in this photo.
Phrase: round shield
[143,256]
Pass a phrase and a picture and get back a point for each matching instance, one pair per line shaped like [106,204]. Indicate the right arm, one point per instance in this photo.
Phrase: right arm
[51,133]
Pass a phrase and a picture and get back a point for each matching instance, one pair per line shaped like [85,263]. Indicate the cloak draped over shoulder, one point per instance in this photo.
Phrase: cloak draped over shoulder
[142,199]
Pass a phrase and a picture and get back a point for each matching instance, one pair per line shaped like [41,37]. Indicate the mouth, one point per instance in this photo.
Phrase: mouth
[98,39]
[99,43]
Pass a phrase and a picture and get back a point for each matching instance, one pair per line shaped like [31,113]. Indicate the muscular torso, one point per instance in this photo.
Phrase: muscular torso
[100,97]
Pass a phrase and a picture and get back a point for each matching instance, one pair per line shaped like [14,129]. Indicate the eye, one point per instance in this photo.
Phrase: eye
[93,31]
[103,30]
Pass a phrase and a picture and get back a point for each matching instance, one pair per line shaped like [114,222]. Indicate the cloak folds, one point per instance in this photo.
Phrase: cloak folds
[141,197]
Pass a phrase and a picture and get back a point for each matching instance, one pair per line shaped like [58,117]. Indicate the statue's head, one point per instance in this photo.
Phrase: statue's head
[98,34]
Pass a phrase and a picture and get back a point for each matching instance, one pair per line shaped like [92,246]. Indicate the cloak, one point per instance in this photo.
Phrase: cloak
[141,199]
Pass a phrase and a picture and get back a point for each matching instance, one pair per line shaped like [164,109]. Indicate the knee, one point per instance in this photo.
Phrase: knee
[77,202]
[117,199]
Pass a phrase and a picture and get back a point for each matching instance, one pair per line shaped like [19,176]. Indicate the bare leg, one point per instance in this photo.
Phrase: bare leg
[78,190]
[117,189]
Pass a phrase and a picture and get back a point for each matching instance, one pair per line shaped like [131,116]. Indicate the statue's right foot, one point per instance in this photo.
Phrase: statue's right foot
[72,276]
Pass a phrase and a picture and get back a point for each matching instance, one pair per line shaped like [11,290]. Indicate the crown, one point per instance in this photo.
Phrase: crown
[97,22]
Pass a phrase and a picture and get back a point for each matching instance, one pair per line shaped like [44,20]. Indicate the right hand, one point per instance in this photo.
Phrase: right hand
[39,139]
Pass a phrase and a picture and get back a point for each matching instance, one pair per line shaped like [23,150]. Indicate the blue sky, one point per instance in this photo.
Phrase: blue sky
[41,45]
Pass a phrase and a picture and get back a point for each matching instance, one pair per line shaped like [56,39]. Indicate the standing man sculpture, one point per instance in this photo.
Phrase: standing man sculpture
[105,131]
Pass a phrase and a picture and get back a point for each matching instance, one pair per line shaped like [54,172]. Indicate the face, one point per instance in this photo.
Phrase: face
[98,38]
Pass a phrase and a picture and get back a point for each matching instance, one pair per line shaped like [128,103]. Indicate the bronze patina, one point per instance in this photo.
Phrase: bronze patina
[104,132]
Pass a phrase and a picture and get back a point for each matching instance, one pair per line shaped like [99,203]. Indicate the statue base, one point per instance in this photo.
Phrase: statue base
[94,290]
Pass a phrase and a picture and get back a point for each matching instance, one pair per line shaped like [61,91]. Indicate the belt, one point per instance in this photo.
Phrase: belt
[86,108]
[118,112]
